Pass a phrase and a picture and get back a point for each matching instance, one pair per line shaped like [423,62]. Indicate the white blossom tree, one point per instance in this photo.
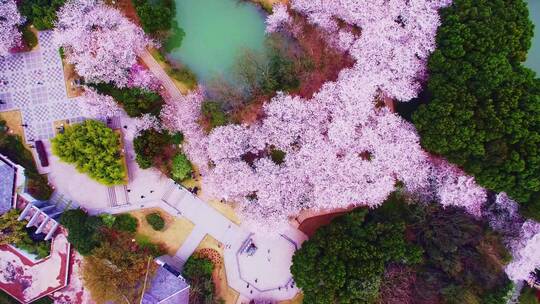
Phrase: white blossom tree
[101,43]
[99,106]
[10,19]
[341,149]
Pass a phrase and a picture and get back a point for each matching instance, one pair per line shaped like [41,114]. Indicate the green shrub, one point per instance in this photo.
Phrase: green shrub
[135,101]
[156,221]
[126,222]
[214,114]
[181,167]
[108,219]
[184,75]
[177,138]
[94,149]
[277,156]
[528,296]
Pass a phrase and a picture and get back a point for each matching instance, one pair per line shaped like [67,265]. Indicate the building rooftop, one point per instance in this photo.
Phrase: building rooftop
[27,280]
[7,185]
[166,288]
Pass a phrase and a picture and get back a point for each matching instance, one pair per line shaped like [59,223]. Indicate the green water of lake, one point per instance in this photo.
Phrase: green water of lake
[216,33]
[533,60]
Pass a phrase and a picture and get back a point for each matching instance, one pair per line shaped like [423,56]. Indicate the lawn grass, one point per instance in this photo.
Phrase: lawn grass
[298,299]
[184,88]
[176,230]
[14,122]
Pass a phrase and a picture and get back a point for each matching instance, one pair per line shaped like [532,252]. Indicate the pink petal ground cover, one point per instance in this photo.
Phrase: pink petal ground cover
[26,280]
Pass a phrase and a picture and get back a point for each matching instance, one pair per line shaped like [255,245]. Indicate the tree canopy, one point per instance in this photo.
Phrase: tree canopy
[156,16]
[115,271]
[82,229]
[94,149]
[198,272]
[135,101]
[484,110]
[150,145]
[181,167]
[344,261]
[41,13]
[444,254]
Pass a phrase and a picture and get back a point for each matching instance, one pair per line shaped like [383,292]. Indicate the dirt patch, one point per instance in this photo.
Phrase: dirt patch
[14,122]
[298,299]
[310,225]
[126,7]
[70,76]
[219,276]
[226,210]
[176,231]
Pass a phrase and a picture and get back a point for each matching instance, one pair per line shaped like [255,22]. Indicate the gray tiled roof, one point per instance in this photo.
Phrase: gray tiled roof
[7,178]
[167,289]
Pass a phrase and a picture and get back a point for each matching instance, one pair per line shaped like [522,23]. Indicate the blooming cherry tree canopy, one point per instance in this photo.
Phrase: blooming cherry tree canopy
[10,19]
[341,148]
[101,42]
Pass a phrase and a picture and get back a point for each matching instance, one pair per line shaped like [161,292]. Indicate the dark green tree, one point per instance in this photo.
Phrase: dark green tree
[344,261]
[126,222]
[155,15]
[135,101]
[484,112]
[148,145]
[445,256]
[41,13]
[83,230]
[198,272]
[12,146]
[181,167]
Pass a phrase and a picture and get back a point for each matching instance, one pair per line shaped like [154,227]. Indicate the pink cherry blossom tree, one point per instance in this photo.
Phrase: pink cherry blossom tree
[525,253]
[341,148]
[99,106]
[10,19]
[279,18]
[183,116]
[140,76]
[101,43]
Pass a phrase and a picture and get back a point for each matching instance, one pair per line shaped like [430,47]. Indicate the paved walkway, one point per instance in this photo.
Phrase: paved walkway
[253,281]
[33,82]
